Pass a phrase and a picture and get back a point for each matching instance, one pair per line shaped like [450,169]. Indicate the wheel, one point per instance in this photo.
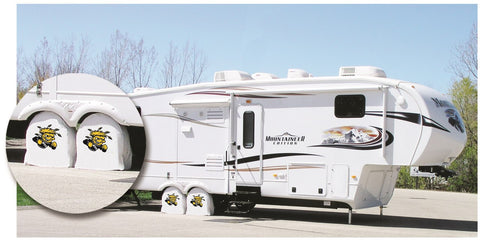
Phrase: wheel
[102,144]
[173,201]
[200,202]
[245,206]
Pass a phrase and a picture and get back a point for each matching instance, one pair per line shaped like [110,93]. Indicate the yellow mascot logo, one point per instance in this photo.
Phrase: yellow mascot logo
[46,137]
[97,140]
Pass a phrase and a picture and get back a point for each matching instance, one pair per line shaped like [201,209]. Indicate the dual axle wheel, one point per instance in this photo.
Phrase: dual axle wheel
[196,202]
[99,143]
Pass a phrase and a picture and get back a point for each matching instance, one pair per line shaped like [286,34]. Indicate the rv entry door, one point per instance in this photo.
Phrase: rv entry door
[249,159]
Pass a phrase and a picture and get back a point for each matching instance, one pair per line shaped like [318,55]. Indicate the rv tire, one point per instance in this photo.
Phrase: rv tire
[50,142]
[199,202]
[173,201]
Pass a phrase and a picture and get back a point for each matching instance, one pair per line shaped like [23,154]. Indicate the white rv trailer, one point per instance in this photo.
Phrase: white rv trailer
[333,142]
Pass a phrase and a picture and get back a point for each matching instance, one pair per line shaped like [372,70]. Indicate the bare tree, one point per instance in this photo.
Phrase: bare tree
[169,66]
[183,65]
[35,69]
[114,62]
[142,64]
[42,63]
[466,62]
[71,57]
[198,64]
[22,81]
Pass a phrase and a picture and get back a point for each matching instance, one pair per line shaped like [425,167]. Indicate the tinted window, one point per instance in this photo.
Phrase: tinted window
[248,129]
[348,106]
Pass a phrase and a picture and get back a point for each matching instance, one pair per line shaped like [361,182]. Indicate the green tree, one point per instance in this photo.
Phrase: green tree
[465,61]
[463,94]
[404,180]
[464,97]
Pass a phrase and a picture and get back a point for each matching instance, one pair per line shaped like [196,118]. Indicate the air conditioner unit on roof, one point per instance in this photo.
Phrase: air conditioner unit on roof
[366,71]
[262,76]
[298,73]
[232,75]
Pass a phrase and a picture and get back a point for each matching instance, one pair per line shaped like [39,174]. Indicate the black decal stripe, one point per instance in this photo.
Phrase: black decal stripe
[405,116]
[431,123]
[266,156]
[197,165]
[410,117]
[257,158]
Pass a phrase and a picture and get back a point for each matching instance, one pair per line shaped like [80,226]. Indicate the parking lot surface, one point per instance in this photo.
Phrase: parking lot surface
[72,190]
[411,213]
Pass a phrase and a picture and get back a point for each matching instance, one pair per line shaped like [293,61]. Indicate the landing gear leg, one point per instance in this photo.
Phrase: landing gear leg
[139,203]
[350,216]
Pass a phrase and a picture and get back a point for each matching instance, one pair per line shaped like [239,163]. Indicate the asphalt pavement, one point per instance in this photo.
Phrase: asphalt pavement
[411,213]
[72,190]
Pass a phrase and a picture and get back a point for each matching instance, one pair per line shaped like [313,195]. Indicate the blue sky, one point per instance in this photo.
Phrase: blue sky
[410,42]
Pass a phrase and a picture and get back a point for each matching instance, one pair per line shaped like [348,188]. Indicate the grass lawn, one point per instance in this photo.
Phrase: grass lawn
[23,199]
[142,195]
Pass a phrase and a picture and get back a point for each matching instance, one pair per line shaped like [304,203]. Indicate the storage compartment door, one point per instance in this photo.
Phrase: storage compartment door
[339,181]
[307,179]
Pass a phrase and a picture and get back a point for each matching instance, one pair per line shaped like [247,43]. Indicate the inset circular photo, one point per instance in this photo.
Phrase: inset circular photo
[75,143]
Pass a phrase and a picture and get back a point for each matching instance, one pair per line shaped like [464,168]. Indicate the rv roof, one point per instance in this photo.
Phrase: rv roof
[281,81]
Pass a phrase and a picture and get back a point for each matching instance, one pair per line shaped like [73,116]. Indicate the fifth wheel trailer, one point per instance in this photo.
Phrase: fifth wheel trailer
[334,142]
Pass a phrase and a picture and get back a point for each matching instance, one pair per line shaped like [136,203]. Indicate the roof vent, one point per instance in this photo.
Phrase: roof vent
[363,71]
[232,75]
[298,73]
[263,76]
[143,89]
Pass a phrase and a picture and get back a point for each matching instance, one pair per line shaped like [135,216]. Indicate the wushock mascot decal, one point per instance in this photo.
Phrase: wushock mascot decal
[46,137]
[172,199]
[197,201]
[97,140]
